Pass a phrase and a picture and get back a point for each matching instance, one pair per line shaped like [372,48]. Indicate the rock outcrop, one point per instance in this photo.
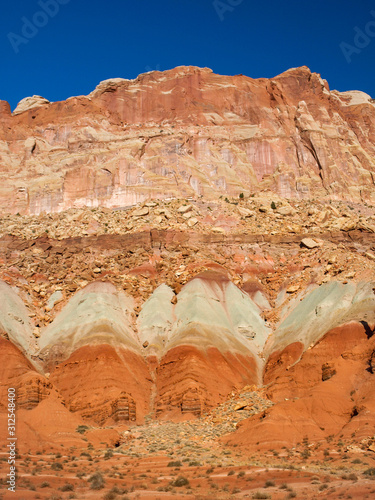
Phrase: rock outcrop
[187,132]
[189,246]
[182,355]
[328,392]
[28,103]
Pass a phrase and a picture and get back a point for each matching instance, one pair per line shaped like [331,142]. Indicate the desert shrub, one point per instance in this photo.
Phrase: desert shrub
[174,463]
[261,495]
[82,429]
[269,483]
[96,481]
[57,466]
[67,487]
[306,453]
[180,481]
[241,473]
[370,471]
[110,495]
[45,484]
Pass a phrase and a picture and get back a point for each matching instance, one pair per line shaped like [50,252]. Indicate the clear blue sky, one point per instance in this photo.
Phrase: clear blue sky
[87,41]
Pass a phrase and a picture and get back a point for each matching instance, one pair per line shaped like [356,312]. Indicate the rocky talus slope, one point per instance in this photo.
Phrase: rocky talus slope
[187,132]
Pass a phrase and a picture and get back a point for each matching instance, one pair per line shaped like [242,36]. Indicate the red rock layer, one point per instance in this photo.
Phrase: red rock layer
[191,381]
[41,418]
[330,391]
[16,371]
[189,132]
[103,385]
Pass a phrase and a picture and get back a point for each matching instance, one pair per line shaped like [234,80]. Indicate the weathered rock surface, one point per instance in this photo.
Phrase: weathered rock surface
[328,306]
[98,314]
[41,417]
[211,241]
[114,384]
[187,132]
[29,103]
[329,392]
[186,353]
[14,319]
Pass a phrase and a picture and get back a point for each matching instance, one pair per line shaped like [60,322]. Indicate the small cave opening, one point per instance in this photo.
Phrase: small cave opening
[354,412]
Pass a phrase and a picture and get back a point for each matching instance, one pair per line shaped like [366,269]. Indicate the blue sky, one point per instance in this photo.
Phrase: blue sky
[79,42]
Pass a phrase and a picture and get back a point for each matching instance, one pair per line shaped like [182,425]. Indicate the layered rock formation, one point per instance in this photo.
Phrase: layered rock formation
[214,284]
[195,352]
[187,132]
[187,353]
[328,392]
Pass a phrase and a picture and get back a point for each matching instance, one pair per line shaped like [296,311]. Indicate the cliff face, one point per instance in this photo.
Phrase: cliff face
[248,315]
[184,133]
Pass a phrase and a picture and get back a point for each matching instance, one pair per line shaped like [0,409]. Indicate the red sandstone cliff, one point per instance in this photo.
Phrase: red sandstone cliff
[187,132]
